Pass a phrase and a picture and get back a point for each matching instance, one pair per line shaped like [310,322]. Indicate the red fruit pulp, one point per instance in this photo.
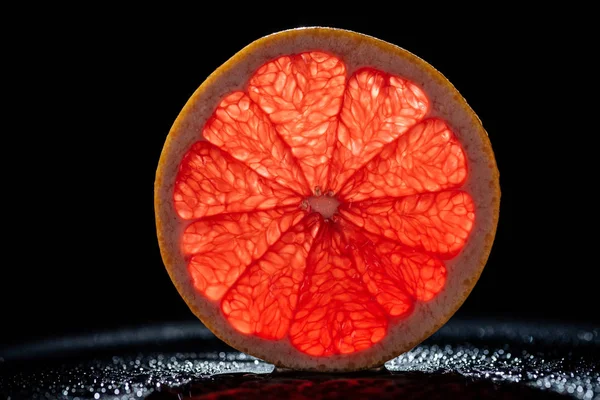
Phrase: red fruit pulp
[321,208]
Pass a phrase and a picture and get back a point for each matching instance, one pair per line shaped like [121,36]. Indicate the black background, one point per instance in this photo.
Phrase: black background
[84,254]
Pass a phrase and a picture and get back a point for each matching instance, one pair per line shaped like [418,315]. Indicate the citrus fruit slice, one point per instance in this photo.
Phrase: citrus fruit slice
[325,200]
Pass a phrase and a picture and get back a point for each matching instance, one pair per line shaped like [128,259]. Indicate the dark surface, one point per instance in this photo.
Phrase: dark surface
[379,385]
[468,359]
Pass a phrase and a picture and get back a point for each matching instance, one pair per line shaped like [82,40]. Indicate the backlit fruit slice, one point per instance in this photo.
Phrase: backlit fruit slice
[325,200]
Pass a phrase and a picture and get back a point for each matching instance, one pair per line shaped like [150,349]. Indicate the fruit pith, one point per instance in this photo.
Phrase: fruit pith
[383,177]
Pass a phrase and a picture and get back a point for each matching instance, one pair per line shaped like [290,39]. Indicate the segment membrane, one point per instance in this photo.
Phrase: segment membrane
[397,276]
[239,127]
[428,158]
[212,182]
[302,94]
[377,109]
[335,314]
[222,246]
[437,223]
[263,300]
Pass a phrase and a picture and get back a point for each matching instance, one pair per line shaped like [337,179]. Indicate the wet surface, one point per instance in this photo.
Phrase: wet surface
[464,359]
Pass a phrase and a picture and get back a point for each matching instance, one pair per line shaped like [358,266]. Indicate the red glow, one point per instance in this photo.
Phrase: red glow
[211,182]
[263,300]
[239,127]
[377,109]
[302,94]
[223,246]
[335,313]
[428,158]
[321,207]
[438,223]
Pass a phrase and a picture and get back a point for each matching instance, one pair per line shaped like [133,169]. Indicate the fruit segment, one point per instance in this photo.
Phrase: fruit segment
[377,109]
[302,94]
[211,182]
[438,223]
[395,275]
[239,127]
[428,158]
[222,246]
[390,293]
[335,314]
[263,300]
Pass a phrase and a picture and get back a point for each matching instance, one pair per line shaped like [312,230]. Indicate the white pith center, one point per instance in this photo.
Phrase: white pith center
[325,205]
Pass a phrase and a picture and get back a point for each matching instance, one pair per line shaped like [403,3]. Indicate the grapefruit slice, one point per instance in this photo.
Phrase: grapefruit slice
[325,200]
